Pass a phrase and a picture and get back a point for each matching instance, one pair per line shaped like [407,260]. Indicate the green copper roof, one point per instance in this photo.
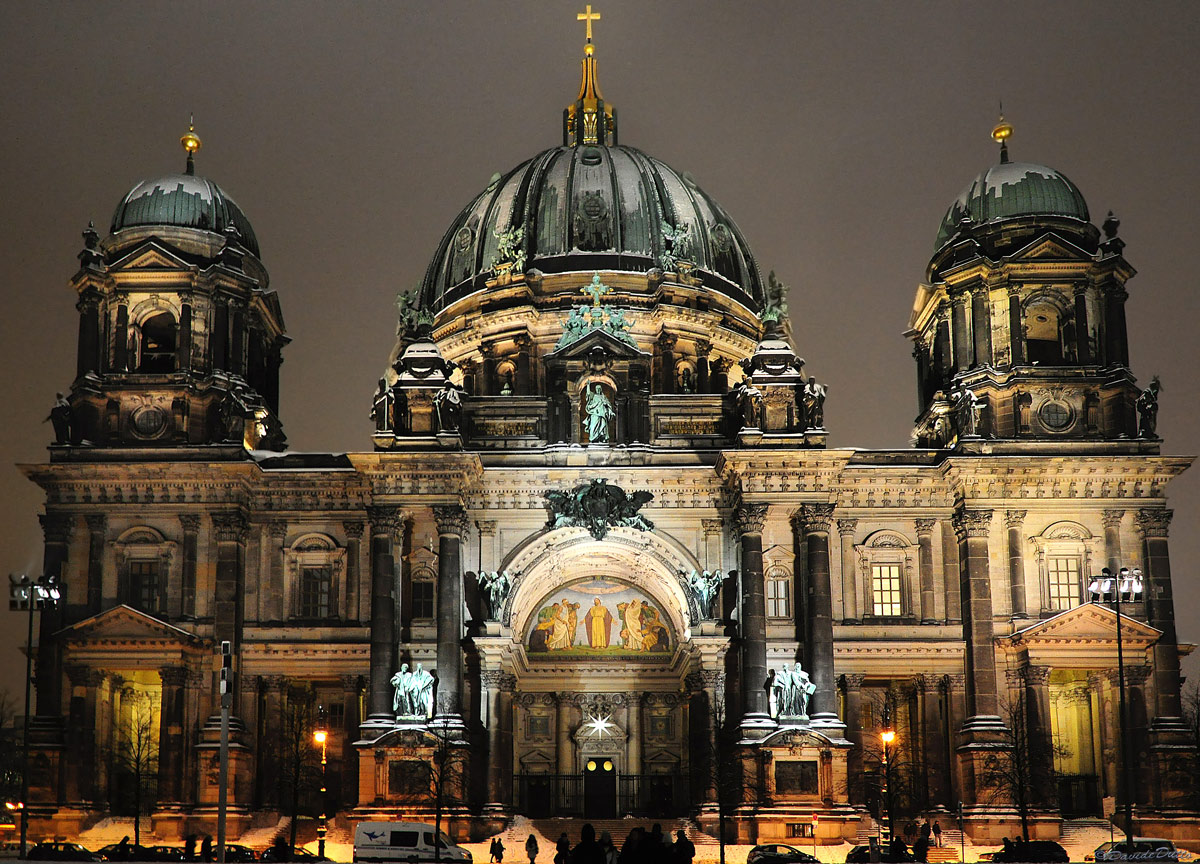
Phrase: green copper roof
[1011,190]
[185,201]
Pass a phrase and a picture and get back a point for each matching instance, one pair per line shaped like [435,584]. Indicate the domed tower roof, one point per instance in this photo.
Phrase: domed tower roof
[184,201]
[1011,190]
[594,207]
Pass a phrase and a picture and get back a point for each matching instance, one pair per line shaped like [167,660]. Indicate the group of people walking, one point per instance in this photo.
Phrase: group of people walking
[640,847]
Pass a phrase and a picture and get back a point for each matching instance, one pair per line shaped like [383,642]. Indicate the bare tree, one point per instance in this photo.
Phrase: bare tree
[11,756]
[1022,772]
[447,780]
[136,756]
[720,763]
[1191,716]
[298,758]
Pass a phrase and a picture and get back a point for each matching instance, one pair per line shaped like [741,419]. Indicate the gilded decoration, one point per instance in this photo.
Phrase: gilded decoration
[599,617]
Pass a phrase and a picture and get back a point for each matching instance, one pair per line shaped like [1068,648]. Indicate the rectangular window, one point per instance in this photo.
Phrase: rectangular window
[143,585]
[886,595]
[1063,573]
[422,599]
[314,592]
[778,599]
[796,778]
[337,715]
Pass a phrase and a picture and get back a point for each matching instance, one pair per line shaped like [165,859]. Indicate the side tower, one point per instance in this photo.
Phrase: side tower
[1020,323]
[179,335]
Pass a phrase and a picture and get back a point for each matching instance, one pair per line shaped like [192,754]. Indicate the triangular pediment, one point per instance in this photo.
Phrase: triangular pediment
[151,256]
[1050,247]
[126,624]
[597,338]
[1089,622]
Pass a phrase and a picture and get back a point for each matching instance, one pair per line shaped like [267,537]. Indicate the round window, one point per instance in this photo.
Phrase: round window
[1055,415]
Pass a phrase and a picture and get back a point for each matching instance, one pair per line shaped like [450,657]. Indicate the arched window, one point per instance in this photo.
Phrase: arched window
[424,598]
[1064,554]
[885,562]
[156,344]
[316,566]
[779,591]
[143,562]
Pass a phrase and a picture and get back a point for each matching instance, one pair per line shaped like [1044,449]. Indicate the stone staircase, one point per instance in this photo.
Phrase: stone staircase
[548,831]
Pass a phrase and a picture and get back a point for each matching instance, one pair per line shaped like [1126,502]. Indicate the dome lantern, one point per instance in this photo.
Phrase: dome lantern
[589,120]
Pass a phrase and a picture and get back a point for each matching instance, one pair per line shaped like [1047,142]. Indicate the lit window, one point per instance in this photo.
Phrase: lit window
[314,592]
[422,599]
[1063,582]
[779,598]
[886,594]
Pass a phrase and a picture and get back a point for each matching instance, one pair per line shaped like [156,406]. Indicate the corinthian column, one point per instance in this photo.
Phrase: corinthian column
[385,522]
[756,716]
[816,519]
[452,526]
[1160,609]
[972,528]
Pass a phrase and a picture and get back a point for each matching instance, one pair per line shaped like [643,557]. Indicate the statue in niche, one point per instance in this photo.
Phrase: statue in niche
[506,383]
[495,586]
[599,411]
[749,401]
[792,689]
[380,405]
[413,695]
[814,404]
[448,404]
[1147,408]
[968,408]
[686,384]
[60,419]
[705,587]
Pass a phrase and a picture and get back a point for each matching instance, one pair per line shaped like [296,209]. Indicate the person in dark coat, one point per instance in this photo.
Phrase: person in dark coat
[206,850]
[937,834]
[189,848]
[587,850]
[684,850]
[496,850]
[531,849]
[562,849]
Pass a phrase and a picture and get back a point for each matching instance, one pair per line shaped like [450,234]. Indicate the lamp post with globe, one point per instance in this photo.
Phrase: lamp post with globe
[888,735]
[321,736]
[1128,587]
[29,595]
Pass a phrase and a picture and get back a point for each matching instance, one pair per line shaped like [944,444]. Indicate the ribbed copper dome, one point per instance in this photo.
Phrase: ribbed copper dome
[183,201]
[590,208]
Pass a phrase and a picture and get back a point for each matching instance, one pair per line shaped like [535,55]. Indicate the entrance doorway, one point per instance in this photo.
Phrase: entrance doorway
[599,789]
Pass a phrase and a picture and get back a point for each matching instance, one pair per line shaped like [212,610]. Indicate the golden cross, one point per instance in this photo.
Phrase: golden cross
[589,16]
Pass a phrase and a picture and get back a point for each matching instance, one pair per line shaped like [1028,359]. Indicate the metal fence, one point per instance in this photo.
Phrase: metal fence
[547,795]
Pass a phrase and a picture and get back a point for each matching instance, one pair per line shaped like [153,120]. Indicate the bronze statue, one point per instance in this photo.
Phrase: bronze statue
[1147,408]
[60,419]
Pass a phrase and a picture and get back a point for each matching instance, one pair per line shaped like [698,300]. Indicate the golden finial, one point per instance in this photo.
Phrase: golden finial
[1001,132]
[191,143]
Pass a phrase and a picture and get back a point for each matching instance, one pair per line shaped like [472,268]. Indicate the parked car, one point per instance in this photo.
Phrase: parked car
[778,853]
[234,852]
[126,852]
[1031,852]
[298,854]
[862,855]
[60,852]
[1142,849]
[167,853]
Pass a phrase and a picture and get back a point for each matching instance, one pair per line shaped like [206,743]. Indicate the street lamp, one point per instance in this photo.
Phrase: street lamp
[320,736]
[888,735]
[26,594]
[1127,587]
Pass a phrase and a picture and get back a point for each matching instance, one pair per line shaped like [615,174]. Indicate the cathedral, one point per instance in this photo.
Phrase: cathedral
[598,557]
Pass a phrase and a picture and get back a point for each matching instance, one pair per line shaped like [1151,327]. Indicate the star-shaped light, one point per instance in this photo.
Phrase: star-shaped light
[600,726]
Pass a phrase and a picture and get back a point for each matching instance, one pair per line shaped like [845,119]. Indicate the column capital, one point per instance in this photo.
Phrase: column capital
[490,678]
[230,527]
[847,527]
[712,526]
[850,681]
[190,522]
[278,530]
[451,519]
[96,521]
[954,682]
[486,527]
[1154,522]
[1112,518]
[1015,518]
[703,347]
[925,527]
[750,518]
[385,520]
[1036,676]
[57,527]
[354,529]
[1136,676]
[814,518]
[173,676]
[972,523]
[352,683]
[277,683]
[83,676]
[666,341]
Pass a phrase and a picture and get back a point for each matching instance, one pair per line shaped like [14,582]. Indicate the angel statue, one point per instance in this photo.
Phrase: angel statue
[705,587]
[495,586]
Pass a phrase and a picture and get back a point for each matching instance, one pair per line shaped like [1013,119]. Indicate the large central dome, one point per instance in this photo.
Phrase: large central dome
[598,207]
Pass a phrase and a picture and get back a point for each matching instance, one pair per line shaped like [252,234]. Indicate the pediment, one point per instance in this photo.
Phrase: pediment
[1090,622]
[124,624]
[1050,247]
[151,256]
[598,338]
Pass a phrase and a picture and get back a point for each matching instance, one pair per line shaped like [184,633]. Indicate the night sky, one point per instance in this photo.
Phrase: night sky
[836,134]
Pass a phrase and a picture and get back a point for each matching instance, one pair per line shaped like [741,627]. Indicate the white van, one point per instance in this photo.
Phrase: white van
[403,841]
